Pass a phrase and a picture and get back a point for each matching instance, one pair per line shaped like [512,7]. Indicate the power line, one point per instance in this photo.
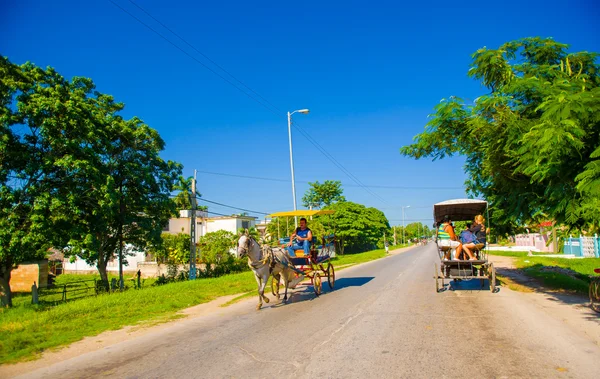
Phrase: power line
[204,55]
[306,135]
[306,182]
[192,57]
[230,206]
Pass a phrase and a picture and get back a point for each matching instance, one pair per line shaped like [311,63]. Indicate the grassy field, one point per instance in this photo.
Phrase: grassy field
[537,267]
[27,330]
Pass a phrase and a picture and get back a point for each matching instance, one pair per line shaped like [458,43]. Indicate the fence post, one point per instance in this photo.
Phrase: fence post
[596,246]
[64,294]
[34,294]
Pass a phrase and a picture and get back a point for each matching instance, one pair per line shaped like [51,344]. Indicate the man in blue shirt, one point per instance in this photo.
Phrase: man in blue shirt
[303,237]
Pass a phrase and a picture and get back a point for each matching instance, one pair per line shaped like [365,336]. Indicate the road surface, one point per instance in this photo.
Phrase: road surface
[383,320]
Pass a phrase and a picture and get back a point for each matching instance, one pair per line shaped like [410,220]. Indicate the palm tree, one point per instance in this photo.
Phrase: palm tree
[183,198]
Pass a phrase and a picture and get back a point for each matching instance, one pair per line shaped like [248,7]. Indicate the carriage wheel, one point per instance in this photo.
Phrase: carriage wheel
[437,280]
[317,284]
[330,275]
[492,277]
[595,294]
[275,287]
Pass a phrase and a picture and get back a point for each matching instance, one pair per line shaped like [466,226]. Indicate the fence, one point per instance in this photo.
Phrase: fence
[536,240]
[587,247]
[65,292]
[77,290]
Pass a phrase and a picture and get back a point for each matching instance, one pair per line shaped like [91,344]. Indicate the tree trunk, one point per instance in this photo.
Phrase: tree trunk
[102,270]
[5,292]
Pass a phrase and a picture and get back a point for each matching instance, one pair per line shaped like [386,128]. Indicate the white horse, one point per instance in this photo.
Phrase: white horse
[265,262]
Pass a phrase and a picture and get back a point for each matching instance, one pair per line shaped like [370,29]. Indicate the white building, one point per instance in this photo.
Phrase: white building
[79,266]
[205,224]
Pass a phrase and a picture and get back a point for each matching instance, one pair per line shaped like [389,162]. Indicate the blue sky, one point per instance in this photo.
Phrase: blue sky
[370,72]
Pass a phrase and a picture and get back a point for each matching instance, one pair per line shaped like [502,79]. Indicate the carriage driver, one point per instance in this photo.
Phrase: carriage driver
[303,239]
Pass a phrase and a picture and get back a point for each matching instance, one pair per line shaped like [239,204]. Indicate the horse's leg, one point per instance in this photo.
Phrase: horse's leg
[265,279]
[286,281]
[275,291]
[258,281]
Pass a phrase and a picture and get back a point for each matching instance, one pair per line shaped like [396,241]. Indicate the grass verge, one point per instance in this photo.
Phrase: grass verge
[27,330]
[547,270]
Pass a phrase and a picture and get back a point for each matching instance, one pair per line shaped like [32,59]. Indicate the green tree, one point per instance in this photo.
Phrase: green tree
[183,197]
[357,228]
[532,144]
[175,248]
[47,131]
[216,252]
[319,195]
[75,174]
[129,188]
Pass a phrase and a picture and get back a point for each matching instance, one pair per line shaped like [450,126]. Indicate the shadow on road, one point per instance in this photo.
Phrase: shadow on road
[306,292]
[352,282]
[525,283]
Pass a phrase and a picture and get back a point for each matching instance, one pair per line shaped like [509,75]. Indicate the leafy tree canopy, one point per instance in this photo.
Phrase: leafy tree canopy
[323,194]
[532,143]
[357,228]
[73,172]
[175,248]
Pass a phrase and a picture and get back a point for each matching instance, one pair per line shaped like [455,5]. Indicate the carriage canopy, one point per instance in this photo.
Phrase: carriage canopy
[304,212]
[459,209]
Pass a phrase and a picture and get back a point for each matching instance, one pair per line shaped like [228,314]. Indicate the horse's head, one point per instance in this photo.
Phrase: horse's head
[244,243]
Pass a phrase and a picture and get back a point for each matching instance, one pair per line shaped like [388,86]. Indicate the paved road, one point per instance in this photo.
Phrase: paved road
[384,320]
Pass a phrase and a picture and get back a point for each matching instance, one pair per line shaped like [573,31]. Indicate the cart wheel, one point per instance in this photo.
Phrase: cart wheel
[492,277]
[275,287]
[437,278]
[595,295]
[330,275]
[317,284]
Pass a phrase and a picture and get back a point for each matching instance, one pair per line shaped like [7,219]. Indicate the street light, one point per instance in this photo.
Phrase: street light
[403,227]
[303,111]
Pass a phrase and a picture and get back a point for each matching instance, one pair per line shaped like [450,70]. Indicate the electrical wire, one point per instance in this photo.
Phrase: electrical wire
[267,106]
[345,185]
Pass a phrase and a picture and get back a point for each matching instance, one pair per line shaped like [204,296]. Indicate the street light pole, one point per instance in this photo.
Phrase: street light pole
[304,111]
[403,226]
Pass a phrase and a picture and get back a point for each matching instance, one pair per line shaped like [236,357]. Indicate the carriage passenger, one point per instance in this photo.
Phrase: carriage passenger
[303,237]
[446,237]
[467,238]
[478,230]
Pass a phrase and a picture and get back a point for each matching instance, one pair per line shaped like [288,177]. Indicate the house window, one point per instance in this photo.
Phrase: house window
[245,224]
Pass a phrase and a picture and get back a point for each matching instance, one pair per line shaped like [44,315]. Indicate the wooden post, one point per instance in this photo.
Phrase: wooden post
[34,294]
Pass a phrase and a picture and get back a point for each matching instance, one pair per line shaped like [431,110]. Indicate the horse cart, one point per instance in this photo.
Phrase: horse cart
[317,265]
[457,269]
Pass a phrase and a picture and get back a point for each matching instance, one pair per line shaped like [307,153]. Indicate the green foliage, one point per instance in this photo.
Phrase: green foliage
[357,228]
[217,254]
[533,143]
[184,196]
[74,173]
[319,195]
[175,248]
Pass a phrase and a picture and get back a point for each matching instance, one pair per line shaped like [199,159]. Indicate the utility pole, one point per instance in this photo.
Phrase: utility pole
[193,230]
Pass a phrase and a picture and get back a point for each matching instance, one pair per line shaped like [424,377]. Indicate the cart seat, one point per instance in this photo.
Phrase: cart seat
[463,262]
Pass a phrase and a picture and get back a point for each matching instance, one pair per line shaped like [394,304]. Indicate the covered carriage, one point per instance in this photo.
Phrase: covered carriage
[457,269]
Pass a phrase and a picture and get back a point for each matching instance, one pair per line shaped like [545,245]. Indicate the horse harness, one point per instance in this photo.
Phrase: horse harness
[268,256]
